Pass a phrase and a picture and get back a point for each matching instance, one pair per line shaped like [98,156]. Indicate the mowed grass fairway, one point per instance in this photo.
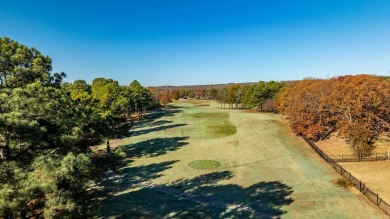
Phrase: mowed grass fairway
[205,162]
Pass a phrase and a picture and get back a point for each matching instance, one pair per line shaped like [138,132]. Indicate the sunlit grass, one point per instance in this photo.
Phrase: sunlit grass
[204,164]
[213,125]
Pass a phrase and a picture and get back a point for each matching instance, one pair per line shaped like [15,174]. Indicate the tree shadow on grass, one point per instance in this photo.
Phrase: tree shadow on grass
[145,172]
[155,129]
[202,197]
[154,147]
[158,113]
[160,122]
[120,180]
[176,107]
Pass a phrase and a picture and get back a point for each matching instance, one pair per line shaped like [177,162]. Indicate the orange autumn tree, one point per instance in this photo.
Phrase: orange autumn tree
[306,106]
[175,94]
[362,108]
[164,98]
[283,99]
[356,106]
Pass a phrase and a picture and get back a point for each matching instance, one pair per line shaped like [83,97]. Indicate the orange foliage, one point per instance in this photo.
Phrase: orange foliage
[318,107]
[164,98]
[175,94]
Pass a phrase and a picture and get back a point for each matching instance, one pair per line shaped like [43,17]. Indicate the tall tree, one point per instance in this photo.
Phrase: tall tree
[356,106]
[20,65]
[175,94]
[141,97]
[261,95]
[165,98]
[213,93]
[105,92]
[360,101]
[249,100]
[36,120]
[80,92]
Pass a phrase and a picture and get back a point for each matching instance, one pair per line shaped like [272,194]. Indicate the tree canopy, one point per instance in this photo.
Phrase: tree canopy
[357,107]
[46,130]
[20,65]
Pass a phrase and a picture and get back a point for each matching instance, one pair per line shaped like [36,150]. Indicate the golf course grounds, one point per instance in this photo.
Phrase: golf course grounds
[196,160]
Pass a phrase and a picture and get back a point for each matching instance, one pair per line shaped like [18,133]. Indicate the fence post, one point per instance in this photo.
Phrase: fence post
[342,157]
[377,199]
[368,193]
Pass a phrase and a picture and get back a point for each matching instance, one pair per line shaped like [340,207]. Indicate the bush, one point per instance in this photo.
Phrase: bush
[342,182]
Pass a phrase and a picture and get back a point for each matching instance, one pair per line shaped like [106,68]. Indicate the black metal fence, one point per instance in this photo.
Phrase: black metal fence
[354,158]
[358,184]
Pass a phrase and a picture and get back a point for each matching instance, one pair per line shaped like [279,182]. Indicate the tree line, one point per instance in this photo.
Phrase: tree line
[258,96]
[47,126]
[46,129]
[355,107]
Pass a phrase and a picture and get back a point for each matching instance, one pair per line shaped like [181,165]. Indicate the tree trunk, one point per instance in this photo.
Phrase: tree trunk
[23,214]
[7,213]
[108,146]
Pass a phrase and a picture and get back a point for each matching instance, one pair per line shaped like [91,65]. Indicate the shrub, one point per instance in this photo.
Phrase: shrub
[342,182]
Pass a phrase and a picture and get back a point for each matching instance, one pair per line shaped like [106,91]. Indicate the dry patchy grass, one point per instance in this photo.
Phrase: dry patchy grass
[376,175]
[337,146]
[266,171]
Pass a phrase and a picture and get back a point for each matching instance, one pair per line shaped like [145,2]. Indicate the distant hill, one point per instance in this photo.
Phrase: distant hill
[207,87]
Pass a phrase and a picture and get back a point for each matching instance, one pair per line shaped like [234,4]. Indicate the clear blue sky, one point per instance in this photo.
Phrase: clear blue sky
[184,42]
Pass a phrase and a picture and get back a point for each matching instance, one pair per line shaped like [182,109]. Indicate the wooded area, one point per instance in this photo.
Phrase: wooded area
[47,128]
[357,107]
[257,96]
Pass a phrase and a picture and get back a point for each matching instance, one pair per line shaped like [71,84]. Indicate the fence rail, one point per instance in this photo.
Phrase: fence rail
[358,184]
[354,158]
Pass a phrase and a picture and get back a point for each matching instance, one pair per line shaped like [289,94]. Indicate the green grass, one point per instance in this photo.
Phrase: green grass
[213,115]
[211,125]
[204,164]
[265,171]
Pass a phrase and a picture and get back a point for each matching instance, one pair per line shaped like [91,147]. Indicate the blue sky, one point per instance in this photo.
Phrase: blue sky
[186,42]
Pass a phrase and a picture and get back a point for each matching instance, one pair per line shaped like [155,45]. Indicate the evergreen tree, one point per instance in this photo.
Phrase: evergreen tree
[44,161]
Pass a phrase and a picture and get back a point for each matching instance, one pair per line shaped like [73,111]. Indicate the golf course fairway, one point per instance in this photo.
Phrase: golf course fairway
[200,161]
